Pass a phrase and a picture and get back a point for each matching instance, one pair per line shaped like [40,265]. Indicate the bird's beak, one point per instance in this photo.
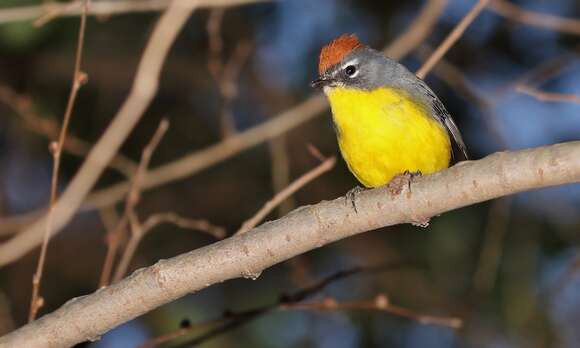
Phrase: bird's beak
[321,82]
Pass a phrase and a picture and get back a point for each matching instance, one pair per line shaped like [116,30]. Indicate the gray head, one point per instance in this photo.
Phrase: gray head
[345,62]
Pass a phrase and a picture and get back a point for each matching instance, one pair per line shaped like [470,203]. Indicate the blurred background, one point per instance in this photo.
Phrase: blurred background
[507,268]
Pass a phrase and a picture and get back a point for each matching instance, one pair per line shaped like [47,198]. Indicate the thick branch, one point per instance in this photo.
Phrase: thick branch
[190,164]
[304,229]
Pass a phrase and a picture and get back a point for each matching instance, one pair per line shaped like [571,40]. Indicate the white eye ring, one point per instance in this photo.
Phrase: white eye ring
[351,71]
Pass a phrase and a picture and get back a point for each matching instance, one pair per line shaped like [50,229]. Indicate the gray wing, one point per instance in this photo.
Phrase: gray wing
[424,92]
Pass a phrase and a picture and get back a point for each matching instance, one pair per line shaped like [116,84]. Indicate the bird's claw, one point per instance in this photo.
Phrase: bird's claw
[395,186]
[351,196]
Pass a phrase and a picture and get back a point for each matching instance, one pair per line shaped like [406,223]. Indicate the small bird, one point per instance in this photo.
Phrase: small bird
[388,122]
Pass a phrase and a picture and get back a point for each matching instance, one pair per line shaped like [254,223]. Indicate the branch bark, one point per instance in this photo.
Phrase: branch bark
[190,164]
[307,228]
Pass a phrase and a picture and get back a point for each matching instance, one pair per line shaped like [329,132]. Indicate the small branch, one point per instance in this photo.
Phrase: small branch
[106,7]
[142,92]
[281,196]
[189,164]
[47,127]
[536,19]
[153,221]
[302,230]
[225,76]
[79,78]
[548,96]
[231,320]
[379,303]
[452,38]
[130,216]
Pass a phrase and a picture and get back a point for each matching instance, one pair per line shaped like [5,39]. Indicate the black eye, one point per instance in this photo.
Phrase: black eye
[350,70]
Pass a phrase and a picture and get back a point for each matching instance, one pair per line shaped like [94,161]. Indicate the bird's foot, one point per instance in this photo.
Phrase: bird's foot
[350,196]
[395,186]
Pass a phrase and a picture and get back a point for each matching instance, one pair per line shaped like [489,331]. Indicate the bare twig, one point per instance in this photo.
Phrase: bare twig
[106,7]
[143,90]
[418,32]
[47,127]
[548,96]
[452,38]
[225,75]
[310,227]
[79,78]
[133,197]
[189,164]
[55,11]
[380,303]
[537,19]
[113,240]
[296,185]
[139,230]
[154,220]
[231,320]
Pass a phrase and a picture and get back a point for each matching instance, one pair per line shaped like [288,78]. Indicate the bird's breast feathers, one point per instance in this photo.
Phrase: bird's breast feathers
[385,132]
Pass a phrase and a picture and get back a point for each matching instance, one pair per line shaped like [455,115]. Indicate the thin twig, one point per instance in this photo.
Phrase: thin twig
[106,7]
[225,75]
[287,192]
[379,303]
[218,232]
[48,127]
[537,19]
[79,78]
[452,38]
[55,11]
[133,197]
[548,96]
[188,164]
[144,88]
[231,320]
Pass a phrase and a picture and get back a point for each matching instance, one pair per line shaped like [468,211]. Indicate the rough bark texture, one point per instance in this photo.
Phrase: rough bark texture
[304,229]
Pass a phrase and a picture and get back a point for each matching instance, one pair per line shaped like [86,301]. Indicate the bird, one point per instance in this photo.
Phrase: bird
[388,122]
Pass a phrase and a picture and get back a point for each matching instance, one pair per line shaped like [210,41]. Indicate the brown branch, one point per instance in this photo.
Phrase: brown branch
[281,196]
[47,127]
[225,75]
[418,31]
[518,14]
[142,92]
[379,303]
[105,8]
[189,164]
[548,96]
[79,78]
[231,320]
[113,238]
[304,229]
[452,38]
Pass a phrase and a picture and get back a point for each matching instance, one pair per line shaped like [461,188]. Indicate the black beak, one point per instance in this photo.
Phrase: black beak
[320,82]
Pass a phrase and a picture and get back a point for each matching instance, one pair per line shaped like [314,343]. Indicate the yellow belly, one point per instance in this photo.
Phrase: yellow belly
[384,133]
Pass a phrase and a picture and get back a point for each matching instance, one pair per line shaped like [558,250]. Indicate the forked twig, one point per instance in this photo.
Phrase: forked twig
[79,78]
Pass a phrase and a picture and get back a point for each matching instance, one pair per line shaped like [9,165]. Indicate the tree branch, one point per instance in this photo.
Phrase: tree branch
[307,228]
[199,160]
[104,7]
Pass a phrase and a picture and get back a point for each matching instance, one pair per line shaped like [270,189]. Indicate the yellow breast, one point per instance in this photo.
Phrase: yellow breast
[383,133]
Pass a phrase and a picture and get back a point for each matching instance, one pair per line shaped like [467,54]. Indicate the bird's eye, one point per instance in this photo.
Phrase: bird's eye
[350,71]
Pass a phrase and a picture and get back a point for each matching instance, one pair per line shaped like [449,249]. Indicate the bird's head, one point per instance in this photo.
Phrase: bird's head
[346,62]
